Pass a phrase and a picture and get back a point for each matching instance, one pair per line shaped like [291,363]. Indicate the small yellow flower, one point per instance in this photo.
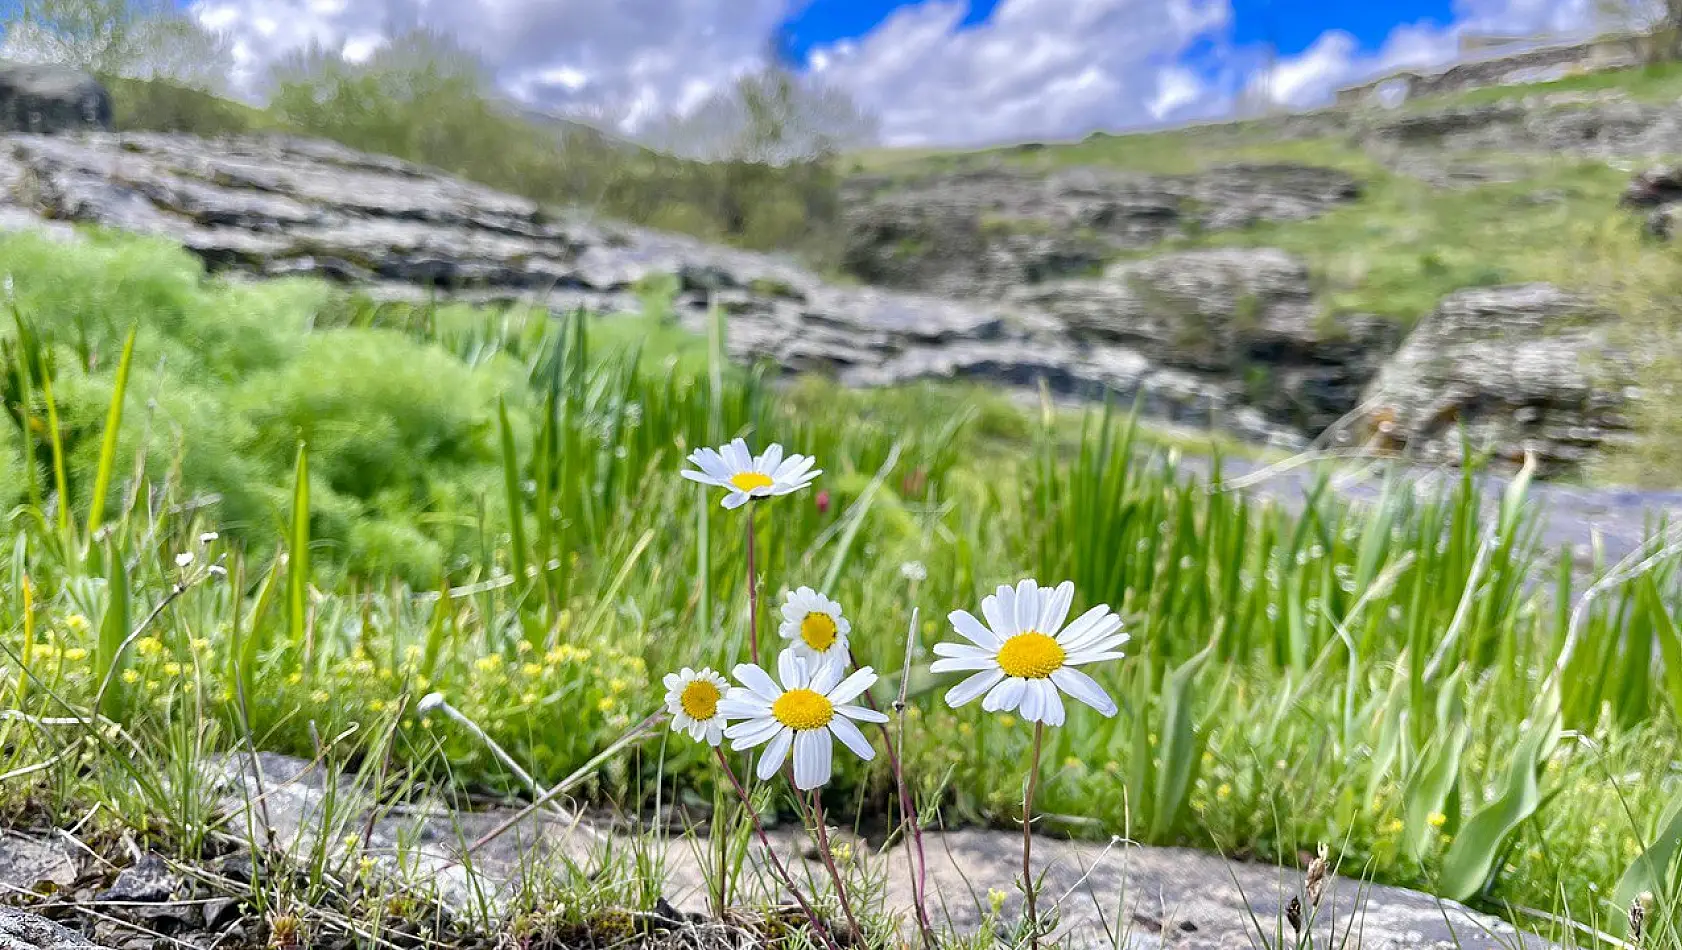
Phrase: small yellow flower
[618,685]
[531,670]
[1224,791]
[606,703]
[1073,763]
[172,669]
[131,677]
[320,696]
[294,679]
[1394,827]
[200,645]
[152,686]
[996,899]
[148,646]
[842,852]
[528,699]
[75,654]
[489,664]
[965,729]
[426,723]
[523,647]
[77,623]
[1437,819]
[377,705]
[1007,721]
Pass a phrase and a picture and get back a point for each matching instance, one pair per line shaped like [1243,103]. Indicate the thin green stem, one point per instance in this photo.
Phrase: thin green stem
[1028,838]
[834,871]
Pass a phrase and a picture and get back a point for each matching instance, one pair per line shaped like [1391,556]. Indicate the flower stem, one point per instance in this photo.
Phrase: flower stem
[753,591]
[907,807]
[834,872]
[771,853]
[1028,838]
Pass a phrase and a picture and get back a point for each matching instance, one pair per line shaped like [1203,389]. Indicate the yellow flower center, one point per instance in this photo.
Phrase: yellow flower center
[818,630]
[700,700]
[1031,655]
[748,481]
[803,709]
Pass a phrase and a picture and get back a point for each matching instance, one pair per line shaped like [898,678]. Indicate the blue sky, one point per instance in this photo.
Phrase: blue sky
[1289,26]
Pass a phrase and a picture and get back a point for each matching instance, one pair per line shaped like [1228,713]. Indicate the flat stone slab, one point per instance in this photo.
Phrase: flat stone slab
[1103,894]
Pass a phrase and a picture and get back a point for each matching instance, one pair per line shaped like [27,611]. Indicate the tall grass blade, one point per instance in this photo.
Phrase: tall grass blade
[108,442]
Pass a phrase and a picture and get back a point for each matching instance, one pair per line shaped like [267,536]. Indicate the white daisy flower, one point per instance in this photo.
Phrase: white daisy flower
[747,477]
[815,628]
[692,697]
[1025,657]
[805,712]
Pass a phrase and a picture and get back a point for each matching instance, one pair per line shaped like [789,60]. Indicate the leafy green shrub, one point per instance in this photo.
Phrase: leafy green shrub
[158,105]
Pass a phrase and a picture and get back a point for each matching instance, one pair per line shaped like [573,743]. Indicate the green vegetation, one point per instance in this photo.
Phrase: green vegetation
[1653,82]
[1409,682]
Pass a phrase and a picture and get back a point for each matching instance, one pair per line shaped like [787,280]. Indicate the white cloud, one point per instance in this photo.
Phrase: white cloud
[628,59]
[1035,69]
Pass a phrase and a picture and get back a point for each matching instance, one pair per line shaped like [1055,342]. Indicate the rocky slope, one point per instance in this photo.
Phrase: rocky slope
[1064,277]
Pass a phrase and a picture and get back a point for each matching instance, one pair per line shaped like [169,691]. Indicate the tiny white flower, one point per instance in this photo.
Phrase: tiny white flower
[692,697]
[208,537]
[1025,657]
[749,477]
[815,628]
[914,571]
[806,713]
[184,559]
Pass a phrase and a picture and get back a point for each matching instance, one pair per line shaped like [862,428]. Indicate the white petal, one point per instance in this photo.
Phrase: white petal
[852,738]
[704,478]
[790,465]
[852,686]
[757,681]
[715,733]
[963,651]
[1085,689]
[1033,701]
[1084,625]
[828,669]
[709,461]
[972,687]
[972,629]
[769,459]
[813,754]
[772,758]
[746,735]
[1027,606]
[861,714]
[737,456]
[1051,703]
[671,680]
[792,670]
[1006,696]
[963,665]
[752,708]
[735,499]
[1000,611]
[1054,608]
[1088,657]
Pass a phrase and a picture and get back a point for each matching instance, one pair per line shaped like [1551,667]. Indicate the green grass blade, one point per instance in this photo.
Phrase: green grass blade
[111,656]
[511,488]
[1471,858]
[108,442]
[298,558]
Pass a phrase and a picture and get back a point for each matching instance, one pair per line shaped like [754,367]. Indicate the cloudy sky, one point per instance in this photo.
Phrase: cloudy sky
[937,72]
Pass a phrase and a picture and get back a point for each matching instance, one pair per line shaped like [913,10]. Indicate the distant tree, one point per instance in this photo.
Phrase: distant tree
[772,117]
[137,39]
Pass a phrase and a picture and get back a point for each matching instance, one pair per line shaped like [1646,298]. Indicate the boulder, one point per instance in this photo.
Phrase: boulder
[51,99]
[21,930]
[1520,369]
[1245,316]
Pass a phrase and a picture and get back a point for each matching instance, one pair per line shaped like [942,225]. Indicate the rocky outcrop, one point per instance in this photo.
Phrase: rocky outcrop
[1656,192]
[979,231]
[1602,126]
[50,99]
[1244,315]
[1525,368]
[274,207]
